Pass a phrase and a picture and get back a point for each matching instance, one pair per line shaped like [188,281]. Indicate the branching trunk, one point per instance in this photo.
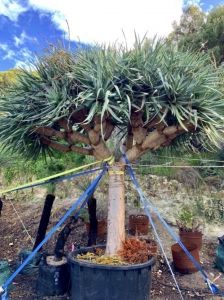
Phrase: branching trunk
[55,145]
[129,137]
[65,124]
[79,137]
[93,136]
[81,150]
[100,149]
[155,120]
[138,131]
[132,154]
[48,131]
[108,129]
[157,139]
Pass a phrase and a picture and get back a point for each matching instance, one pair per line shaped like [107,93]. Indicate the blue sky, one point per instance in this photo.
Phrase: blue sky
[25,24]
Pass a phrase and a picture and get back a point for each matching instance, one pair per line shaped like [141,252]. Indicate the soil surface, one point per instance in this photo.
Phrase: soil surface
[18,227]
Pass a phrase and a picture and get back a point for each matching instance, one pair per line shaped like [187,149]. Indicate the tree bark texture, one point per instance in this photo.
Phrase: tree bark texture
[116,210]
[44,220]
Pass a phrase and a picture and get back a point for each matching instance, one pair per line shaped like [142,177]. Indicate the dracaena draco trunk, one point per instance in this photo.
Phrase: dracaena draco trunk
[116,209]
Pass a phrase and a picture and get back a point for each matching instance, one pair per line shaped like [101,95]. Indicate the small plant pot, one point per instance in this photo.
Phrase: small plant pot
[109,282]
[191,237]
[181,261]
[53,277]
[139,223]
[101,228]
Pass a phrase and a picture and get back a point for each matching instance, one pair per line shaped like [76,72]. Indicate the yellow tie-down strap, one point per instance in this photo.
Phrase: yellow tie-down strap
[109,160]
[116,172]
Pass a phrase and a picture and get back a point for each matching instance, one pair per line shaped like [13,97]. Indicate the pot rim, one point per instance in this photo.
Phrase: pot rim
[138,215]
[191,232]
[176,247]
[105,267]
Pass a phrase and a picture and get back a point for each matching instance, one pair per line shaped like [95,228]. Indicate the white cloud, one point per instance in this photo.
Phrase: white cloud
[103,20]
[4,47]
[210,8]
[21,64]
[22,57]
[26,54]
[10,54]
[192,2]
[7,52]
[21,39]
[11,9]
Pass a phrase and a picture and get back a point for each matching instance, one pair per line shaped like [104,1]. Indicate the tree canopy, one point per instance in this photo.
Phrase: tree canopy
[154,95]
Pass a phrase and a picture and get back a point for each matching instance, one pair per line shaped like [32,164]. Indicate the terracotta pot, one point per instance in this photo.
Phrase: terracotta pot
[139,223]
[181,261]
[191,237]
[101,228]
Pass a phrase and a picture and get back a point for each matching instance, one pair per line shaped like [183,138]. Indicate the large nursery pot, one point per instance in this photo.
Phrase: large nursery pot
[101,228]
[109,282]
[139,223]
[53,276]
[191,237]
[181,261]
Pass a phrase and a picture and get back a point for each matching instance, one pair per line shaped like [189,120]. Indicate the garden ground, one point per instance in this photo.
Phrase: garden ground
[18,215]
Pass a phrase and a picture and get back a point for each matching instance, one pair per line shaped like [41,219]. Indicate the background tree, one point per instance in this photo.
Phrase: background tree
[187,33]
[154,95]
[214,33]
[201,32]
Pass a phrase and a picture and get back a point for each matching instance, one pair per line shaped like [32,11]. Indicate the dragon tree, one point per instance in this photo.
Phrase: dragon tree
[153,95]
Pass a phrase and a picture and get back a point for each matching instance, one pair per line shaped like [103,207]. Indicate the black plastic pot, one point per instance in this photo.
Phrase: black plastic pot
[106,282]
[53,280]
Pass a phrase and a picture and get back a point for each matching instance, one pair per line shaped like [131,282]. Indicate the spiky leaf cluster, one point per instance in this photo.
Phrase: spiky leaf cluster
[113,83]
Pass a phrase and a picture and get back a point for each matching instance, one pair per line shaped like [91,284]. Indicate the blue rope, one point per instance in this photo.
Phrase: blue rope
[86,200]
[81,207]
[214,289]
[5,296]
[58,179]
[85,194]
[152,223]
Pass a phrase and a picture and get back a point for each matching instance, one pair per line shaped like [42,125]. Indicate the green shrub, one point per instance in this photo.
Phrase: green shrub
[20,171]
